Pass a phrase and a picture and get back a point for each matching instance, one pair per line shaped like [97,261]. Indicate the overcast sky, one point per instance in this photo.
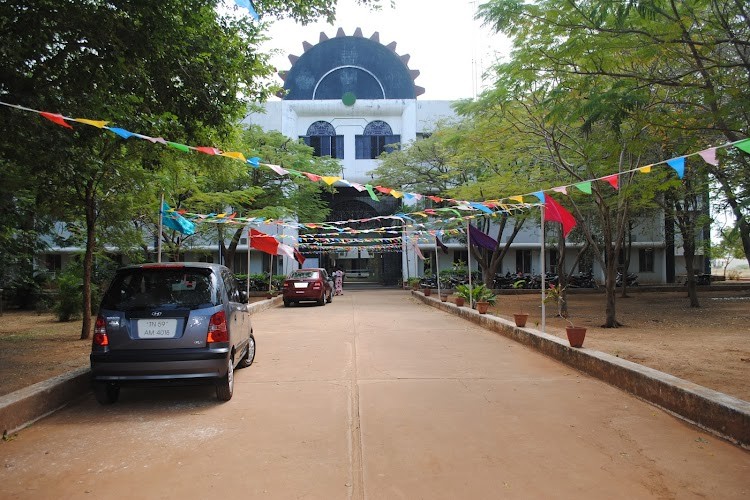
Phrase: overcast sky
[449,48]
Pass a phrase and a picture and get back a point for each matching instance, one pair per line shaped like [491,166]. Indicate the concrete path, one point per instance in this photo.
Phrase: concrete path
[375,396]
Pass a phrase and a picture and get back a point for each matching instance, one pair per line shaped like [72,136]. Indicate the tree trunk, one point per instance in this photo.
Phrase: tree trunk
[88,259]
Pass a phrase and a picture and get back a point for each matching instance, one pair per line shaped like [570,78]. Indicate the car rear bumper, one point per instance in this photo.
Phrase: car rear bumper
[303,294]
[144,365]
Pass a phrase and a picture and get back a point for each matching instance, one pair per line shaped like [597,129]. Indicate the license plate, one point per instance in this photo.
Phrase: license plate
[300,285]
[157,328]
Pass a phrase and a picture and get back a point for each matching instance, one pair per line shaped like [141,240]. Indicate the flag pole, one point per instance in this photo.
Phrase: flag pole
[468,261]
[437,265]
[158,240]
[405,246]
[270,273]
[544,310]
[248,264]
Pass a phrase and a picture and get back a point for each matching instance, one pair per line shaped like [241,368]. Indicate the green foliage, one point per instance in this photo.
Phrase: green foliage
[70,294]
[477,293]
[26,290]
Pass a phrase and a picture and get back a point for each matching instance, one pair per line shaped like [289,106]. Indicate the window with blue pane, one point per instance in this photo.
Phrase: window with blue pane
[376,139]
[321,136]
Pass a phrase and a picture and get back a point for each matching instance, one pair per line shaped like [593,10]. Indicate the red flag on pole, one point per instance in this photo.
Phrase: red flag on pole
[263,242]
[556,213]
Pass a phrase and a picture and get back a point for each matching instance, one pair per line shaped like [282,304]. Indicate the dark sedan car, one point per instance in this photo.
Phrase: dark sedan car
[308,285]
[175,322]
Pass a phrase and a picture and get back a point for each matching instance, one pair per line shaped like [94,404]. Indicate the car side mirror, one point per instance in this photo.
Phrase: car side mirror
[243,296]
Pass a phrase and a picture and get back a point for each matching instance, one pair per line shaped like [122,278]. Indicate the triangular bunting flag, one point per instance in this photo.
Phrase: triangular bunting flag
[179,147]
[540,195]
[234,154]
[95,123]
[208,150]
[278,169]
[56,118]
[330,179]
[371,192]
[556,213]
[561,189]
[312,177]
[584,187]
[709,156]
[613,180]
[121,132]
[254,161]
[519,199]
[743,145]
[678,164]
[646,169]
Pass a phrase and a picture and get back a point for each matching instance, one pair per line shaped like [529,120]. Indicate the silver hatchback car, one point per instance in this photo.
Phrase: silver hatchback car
[174,322]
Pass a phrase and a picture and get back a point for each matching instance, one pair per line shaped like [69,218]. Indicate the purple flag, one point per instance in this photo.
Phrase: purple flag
[480,239]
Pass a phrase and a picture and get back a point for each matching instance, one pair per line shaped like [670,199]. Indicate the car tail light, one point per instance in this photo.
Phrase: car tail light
[286,284]
[317,285]
[100,332]
[217,328]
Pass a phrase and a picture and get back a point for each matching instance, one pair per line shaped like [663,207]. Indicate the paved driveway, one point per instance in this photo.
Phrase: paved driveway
[375,396]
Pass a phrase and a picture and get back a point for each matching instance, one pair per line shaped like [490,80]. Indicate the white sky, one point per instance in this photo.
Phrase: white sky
[449,48]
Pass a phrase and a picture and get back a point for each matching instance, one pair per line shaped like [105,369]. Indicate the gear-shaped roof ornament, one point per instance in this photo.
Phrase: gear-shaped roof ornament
[351,66]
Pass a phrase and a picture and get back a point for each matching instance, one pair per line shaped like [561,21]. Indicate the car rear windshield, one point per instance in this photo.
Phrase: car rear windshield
[305,275]
[145,288]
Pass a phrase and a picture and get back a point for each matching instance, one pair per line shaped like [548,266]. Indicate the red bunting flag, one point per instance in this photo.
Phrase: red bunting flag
[263,242]
[55,118]
[556,213]
[614,180]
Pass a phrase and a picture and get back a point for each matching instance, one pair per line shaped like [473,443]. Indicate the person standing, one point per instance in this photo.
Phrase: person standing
[338,280]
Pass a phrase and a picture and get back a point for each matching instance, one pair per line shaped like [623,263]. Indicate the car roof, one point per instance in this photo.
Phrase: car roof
[176,265]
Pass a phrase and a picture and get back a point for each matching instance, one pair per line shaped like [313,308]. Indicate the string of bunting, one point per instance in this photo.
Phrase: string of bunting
[487,206]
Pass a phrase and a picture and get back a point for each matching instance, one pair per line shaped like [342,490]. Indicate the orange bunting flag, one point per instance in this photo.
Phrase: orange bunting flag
[312,177]
[55,118]
[208,150]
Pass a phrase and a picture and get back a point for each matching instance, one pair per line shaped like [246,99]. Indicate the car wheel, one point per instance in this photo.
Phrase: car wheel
[330,297]
[106,392]
[225,385]
[322,300]
[287,303]
[249,356]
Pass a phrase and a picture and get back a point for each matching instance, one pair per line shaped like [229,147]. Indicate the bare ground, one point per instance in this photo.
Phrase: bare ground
[709,346]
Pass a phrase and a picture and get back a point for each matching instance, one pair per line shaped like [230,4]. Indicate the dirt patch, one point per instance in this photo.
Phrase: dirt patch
[709,346]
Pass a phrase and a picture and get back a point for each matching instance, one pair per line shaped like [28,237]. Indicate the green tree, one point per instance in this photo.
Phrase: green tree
[171,68]
[693,54]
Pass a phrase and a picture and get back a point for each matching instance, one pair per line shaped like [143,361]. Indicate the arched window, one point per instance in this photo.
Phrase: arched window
[376,139]
[321,136]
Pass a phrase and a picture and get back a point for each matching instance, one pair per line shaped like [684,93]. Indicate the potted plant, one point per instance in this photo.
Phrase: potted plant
[576,334]
[462,294]
[413,283]
[479,296]
[443,296]
[520,317]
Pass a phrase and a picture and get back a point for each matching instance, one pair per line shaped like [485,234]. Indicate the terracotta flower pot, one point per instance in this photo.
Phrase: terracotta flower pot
[459,301]
[482,307]
[427,292]
[576,334]
[443,297]
[520,319]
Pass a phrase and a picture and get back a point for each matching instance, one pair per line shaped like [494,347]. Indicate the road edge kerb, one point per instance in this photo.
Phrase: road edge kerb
[23,407]
[718,413]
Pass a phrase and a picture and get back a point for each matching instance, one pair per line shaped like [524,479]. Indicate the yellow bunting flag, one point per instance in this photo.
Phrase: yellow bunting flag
[646,169]
[396,194]
[330,180]
[235,155]
[95,123]
[519,199]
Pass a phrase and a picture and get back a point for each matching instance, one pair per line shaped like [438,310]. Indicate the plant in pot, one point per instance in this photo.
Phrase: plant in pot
[520,317]
[576,334]
[463,294]
[413,283]
[483,297]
